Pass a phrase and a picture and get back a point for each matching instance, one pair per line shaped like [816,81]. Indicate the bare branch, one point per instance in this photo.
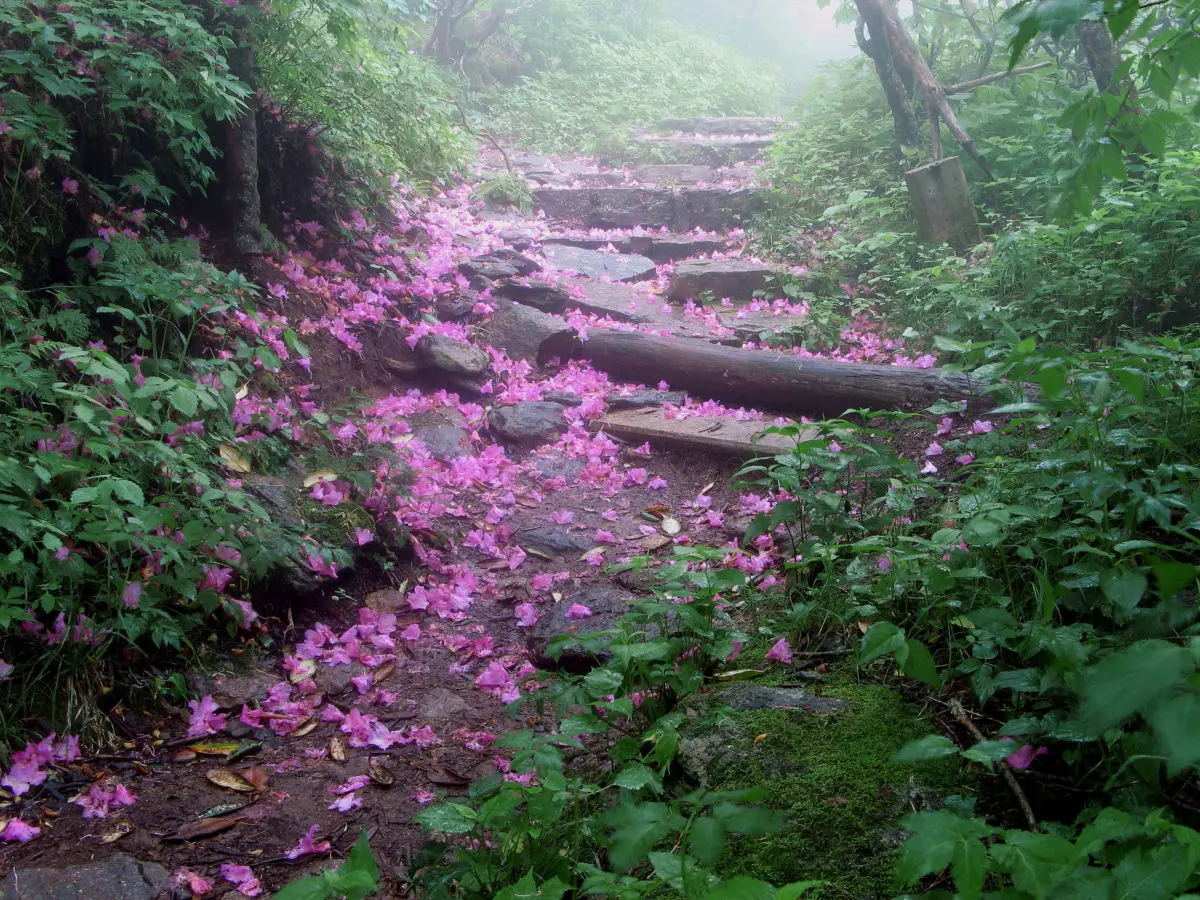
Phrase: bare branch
[989,79]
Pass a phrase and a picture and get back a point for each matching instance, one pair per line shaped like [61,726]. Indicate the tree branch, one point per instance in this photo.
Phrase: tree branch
[998,76]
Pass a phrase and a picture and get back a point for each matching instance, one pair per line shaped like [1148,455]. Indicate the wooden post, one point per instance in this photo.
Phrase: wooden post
[942,202]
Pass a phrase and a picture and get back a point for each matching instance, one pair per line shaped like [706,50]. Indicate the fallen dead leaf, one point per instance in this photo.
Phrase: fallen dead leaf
[379,773]
[214,748]
[383,672]
[305,668]
[737,674]
[184,756]
[234,459]
[337,748]
[320,475]
[653,542]
[230,780]
[306,727]
[762,737]
[708,487]
[122,829]
[447,777]
[256,777]
[221,809]
[203,828]
[242,750]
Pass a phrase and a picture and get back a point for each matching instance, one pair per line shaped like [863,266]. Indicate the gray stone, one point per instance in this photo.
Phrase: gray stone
[500,263]
[528,422]
[453,356]
[118,877]
[715,209]
[707,151]
[674,173]
[622,302]
[393,354]
[666,247]
[538,294]
[563,467]
[527,333]
[644,398]
[747,695]
[490,270]
[706,753]
[444,436]
[566,398]
[595,264]
[554,540]
[678,209]
[231,691]
[454,308]
[732,279]
[722,125]
[608,605]
[441,705]
[332,680]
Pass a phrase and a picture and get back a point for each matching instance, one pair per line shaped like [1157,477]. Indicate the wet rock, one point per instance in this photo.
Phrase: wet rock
[708,151]
[538,294]
[566,398]
[644,398]
[705,752]
[529,422]
[453,356]
[441,705]
[667,247]
[747,695]
[118,877]
[394,354]
[479,284]
[517,240]
[527,333]
[231,691]
[722,278]
[613,207]
[523,264]
[554,540]
[385,601]
[292,578]
[621,302]
[454,308]
[722,125]
[563,467]
[674,173]
[336,679]
[444,434]
[607,604]
[594,264]
[502,263]
[715,209]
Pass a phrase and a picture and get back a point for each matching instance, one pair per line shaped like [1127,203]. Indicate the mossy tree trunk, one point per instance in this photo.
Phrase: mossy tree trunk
[241,199]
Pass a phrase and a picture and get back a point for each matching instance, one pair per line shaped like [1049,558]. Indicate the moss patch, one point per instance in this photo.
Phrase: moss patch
[833,780]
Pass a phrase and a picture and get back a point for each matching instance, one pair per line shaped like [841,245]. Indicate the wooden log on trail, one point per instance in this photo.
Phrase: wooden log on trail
[768,379]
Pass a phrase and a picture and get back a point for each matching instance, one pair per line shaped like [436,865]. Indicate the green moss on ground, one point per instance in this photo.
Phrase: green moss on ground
[833,780]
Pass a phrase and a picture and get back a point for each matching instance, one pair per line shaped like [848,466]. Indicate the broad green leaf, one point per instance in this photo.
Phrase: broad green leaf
[705,839]
[1176,724]
[1123,587]
[942,840]
[1130,681]
[451,818]
[932,746]
[636,776]
[919,664]
[1036,862]
[881,638]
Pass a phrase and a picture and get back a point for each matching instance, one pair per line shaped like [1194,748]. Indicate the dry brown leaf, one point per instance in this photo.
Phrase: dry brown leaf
[708,487]
[447,777]
[379,773]
[320,475]
[383,672]
[214,748]
[653,542]
[122,829]
[337,748]
[256,777]
[230,780]
[203,828]
[233,458]
[184,756]
[306,727]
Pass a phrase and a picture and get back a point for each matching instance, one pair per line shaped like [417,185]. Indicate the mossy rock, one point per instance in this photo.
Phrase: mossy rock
[831,776]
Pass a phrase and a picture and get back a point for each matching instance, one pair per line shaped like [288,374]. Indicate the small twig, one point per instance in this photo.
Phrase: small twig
[491,139]
[1005,768]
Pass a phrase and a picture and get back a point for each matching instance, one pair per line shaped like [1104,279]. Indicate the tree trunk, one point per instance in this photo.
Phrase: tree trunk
[1101,53]
[899,101]
[766,379]
[243,206]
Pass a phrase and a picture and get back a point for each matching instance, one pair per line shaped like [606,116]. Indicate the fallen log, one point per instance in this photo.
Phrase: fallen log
[708,434]
[769,379]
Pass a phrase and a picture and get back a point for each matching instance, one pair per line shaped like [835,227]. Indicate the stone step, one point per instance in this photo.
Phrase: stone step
[714,434]
[724,279]
[658,247]
[596,264]
[678,209]
[755,326]
[625,303]
[722,125]
[704,151]
[676,173]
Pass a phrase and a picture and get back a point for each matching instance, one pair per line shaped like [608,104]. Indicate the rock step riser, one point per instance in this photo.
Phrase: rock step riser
[677,210]
[660,250]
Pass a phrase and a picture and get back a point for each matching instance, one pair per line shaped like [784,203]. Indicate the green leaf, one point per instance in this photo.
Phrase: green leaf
[314,887]
[932,746]
[742,888]
[636,776]
[706,839]
[942,840]
[1036,862]
[1123,587]
[665,747]
[185,400]
[451,818]
[127,491]
[79,496]
[1176,724]
[881,638]
[919,664]
[637,828]
[1130,681]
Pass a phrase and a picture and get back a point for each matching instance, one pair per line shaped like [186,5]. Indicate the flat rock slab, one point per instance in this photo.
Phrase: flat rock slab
[621,302]
[747,695]
[712,434]
[442,435]
[707,151]
[529,422]
[751,326]
[554,540]
[659,248]
[731,279]
[536,293]
[644,399]
[598,265]
[675,173]
[452,356]
[677,209]
[527,333]
[118,877]
[722,125]
[607,604]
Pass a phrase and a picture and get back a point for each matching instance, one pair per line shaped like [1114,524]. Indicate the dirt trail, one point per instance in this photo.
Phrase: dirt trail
[512,523]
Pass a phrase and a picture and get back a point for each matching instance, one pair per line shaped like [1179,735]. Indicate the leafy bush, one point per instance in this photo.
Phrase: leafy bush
[596,81]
